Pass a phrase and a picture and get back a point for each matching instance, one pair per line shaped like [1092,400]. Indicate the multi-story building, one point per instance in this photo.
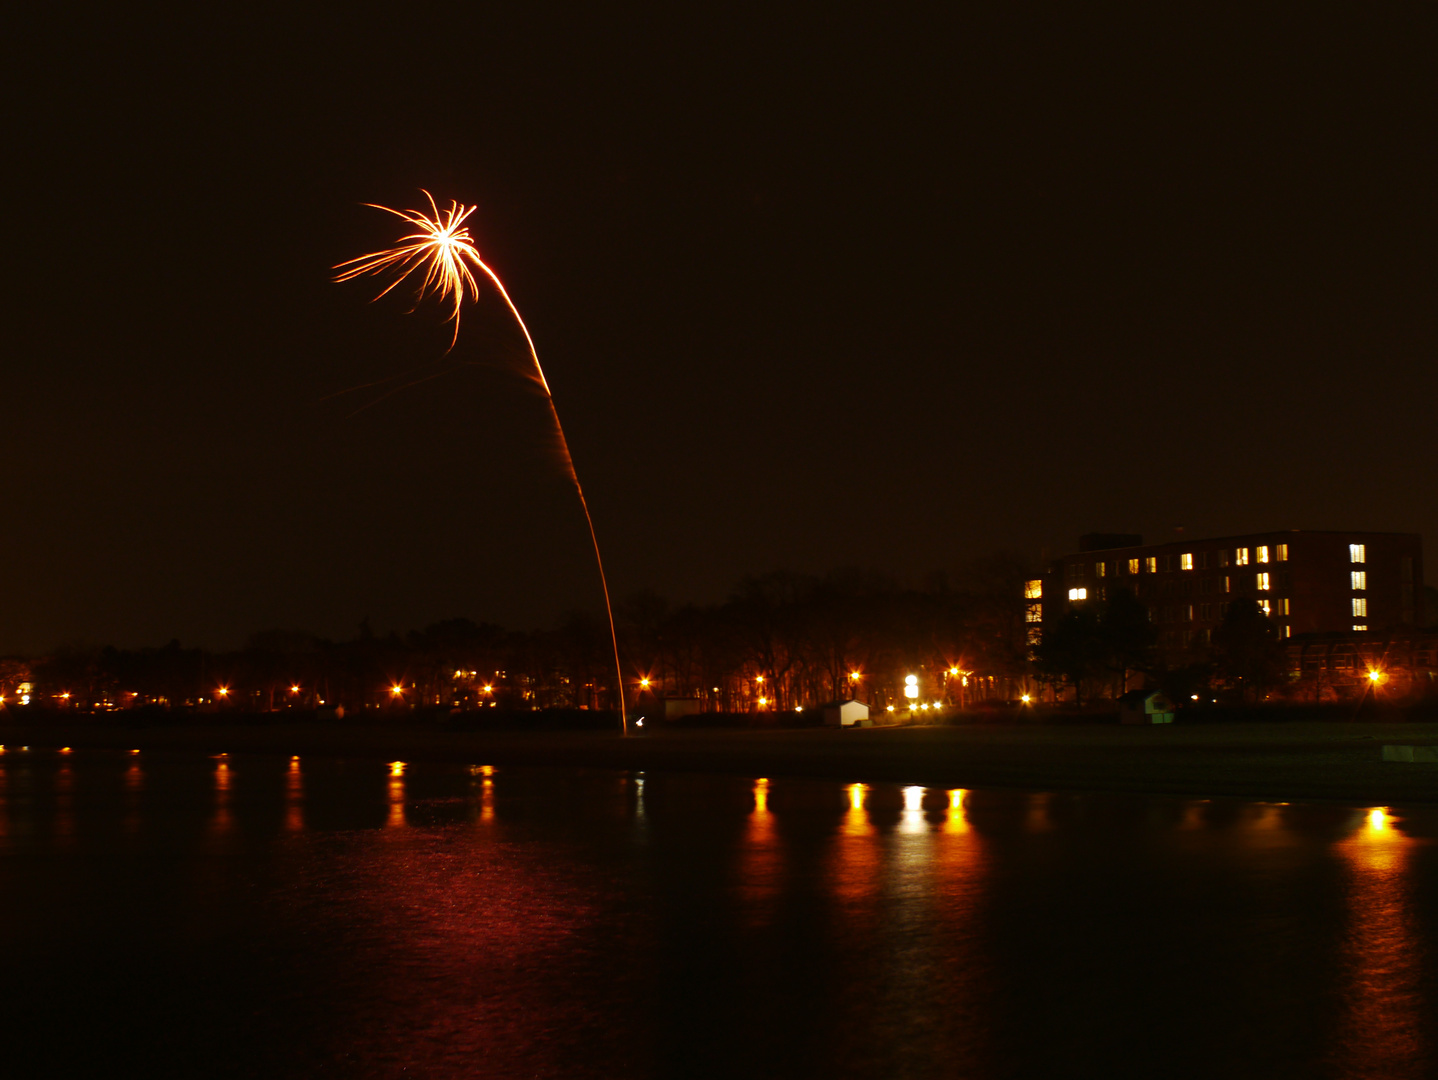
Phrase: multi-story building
[1306,581]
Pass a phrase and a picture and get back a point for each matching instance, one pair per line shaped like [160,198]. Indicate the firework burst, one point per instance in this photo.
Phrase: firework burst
[442,252]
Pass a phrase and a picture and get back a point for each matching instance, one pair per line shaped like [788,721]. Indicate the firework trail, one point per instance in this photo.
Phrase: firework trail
[441,251]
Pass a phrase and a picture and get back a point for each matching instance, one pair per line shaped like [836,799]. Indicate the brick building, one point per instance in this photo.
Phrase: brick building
[1308,582]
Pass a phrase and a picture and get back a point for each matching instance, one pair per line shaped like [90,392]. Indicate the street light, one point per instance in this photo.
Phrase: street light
[911,691]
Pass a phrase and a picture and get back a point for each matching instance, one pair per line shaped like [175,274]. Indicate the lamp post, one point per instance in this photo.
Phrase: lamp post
[911,691]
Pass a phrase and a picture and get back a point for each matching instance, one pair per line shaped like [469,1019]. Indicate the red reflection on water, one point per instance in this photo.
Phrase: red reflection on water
[134,785]
[1381,1034]
[460,955]
[396,819]
[921,882]
[857,858]
[294,797]
[223,820]
[485,776]
[761,862]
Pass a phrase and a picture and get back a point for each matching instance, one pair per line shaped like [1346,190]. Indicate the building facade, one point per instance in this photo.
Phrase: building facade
[1308,582]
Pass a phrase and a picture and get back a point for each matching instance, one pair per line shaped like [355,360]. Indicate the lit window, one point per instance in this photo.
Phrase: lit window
[1223,557]
[1360,626]
[1240,557]
[1265,607]
[1133,566]
[1282,606]
[1356,553]
[1035,633]
[1034,590]
[1285,631]
[1185,561]
[1360,607]
[1033,613]
[1261,579]
[1359,579]
[1150,564]
[1078,594]
[1228,584]
[1282,550]
[1262,552]
[1100,569]
[1188,613]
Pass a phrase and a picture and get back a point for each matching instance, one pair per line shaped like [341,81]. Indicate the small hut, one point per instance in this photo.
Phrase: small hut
[1145,707]
[848,713]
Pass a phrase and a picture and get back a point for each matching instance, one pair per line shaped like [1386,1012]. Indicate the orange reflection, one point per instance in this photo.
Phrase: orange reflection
[224,819]
[1381,1034]
[856,822]
[761,866]
[486,802]
[134,785]
[396,796]
[294,797]
[857,866]
[486,791]
[957,819]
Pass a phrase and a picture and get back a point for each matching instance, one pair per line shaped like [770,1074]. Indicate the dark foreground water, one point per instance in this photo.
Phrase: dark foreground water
[237,916]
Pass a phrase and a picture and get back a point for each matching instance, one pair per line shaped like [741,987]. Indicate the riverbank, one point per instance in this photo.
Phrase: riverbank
[1275,761]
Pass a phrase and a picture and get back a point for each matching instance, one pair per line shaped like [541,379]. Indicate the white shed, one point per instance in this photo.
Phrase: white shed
[1145,707]
[845,713]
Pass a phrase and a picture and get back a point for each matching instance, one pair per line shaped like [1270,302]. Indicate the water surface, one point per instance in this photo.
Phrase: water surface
[256,916]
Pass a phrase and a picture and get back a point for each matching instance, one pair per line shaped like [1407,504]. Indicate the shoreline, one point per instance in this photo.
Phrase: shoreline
[1287,761]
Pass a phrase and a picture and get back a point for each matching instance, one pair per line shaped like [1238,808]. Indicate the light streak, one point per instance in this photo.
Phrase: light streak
[442,248]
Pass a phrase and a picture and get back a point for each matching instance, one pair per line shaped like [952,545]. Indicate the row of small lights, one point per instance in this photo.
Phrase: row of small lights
[911,690]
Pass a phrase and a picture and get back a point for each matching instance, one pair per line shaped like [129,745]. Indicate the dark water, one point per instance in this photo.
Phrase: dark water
[187,916]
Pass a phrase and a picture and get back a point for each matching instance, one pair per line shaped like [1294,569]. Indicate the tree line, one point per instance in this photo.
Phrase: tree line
[780,642]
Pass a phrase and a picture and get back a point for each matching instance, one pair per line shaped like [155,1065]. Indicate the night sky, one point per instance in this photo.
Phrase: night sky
[814,287]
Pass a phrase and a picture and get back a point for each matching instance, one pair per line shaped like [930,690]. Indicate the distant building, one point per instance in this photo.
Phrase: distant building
[1307,582]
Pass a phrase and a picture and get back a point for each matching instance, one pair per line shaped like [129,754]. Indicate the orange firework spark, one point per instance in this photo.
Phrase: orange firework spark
[442,248]
[439,247]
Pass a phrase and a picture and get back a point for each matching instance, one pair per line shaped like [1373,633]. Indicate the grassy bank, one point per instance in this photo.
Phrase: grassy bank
[1290,760]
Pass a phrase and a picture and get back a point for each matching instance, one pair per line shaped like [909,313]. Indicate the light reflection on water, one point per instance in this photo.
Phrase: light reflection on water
[410,917]
[1382,1032]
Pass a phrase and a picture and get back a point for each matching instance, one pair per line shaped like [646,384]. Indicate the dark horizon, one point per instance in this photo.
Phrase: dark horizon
[813,289]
